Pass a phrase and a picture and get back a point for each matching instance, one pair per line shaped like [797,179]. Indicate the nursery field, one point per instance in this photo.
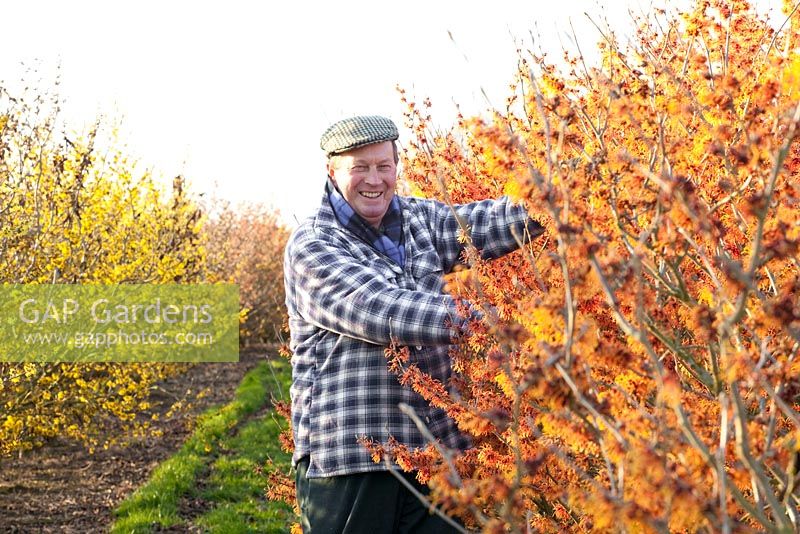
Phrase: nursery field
[63,488]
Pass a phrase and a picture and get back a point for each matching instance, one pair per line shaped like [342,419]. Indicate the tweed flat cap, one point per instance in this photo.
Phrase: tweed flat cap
[355,132]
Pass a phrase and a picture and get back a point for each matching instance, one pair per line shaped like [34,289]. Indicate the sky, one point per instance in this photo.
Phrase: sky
[234,95]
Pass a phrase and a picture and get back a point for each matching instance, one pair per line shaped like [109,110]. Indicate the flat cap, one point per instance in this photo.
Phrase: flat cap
[355,132]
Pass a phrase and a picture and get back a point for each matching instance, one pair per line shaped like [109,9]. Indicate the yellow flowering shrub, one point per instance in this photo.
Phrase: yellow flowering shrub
[72,214]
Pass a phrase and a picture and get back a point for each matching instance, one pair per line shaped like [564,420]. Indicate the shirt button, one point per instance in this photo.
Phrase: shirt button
[419,347]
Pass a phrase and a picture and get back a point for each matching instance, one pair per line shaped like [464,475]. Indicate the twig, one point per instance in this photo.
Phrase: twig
[780,29]
[414,491]
[743,451]
[722,479]
[456,478]
[580,54]
[586,404]
[409,411]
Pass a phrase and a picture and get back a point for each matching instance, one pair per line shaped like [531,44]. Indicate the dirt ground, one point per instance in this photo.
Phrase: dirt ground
[63,488]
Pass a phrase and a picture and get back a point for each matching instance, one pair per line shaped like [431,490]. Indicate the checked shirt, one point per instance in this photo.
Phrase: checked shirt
[347,302]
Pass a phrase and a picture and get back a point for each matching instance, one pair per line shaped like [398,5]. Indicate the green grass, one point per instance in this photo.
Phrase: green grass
[216,464]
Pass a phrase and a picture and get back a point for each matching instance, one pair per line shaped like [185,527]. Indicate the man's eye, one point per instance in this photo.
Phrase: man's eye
[384,167]
[359,168]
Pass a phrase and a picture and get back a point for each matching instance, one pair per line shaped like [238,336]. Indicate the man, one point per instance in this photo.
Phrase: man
[363,272]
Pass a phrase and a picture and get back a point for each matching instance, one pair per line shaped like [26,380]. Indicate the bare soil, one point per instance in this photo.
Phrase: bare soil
[62,488]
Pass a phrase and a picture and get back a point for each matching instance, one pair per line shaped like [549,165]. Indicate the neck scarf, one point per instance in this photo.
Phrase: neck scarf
[389,240]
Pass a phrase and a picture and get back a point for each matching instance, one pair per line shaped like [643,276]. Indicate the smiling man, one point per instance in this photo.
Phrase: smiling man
[366,177]
[366,271]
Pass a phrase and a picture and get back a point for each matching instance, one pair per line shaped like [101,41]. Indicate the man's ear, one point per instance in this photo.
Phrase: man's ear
[330,168]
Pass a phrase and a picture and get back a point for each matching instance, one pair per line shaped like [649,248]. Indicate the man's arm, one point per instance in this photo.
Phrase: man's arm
[495,226]
[333,290]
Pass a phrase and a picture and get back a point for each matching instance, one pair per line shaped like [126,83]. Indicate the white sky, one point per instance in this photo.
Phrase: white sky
[234,95]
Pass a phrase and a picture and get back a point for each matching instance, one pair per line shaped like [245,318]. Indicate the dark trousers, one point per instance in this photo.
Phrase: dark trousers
[369,503]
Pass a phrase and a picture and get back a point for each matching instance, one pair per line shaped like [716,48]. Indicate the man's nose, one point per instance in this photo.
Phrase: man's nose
[372,176]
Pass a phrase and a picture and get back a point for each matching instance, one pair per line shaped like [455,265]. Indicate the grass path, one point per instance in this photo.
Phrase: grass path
[210,484]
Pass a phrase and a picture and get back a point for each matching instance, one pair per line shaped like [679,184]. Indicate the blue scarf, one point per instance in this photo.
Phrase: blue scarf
[390,242]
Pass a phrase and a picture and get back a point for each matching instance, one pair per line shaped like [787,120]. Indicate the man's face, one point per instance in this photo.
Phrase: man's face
[366,177]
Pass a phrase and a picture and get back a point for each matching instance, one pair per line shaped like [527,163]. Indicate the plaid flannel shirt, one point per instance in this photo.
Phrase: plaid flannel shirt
[347,301]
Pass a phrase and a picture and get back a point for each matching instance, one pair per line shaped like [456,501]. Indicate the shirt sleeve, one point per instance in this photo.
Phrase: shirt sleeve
[496,227]
[334,291]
